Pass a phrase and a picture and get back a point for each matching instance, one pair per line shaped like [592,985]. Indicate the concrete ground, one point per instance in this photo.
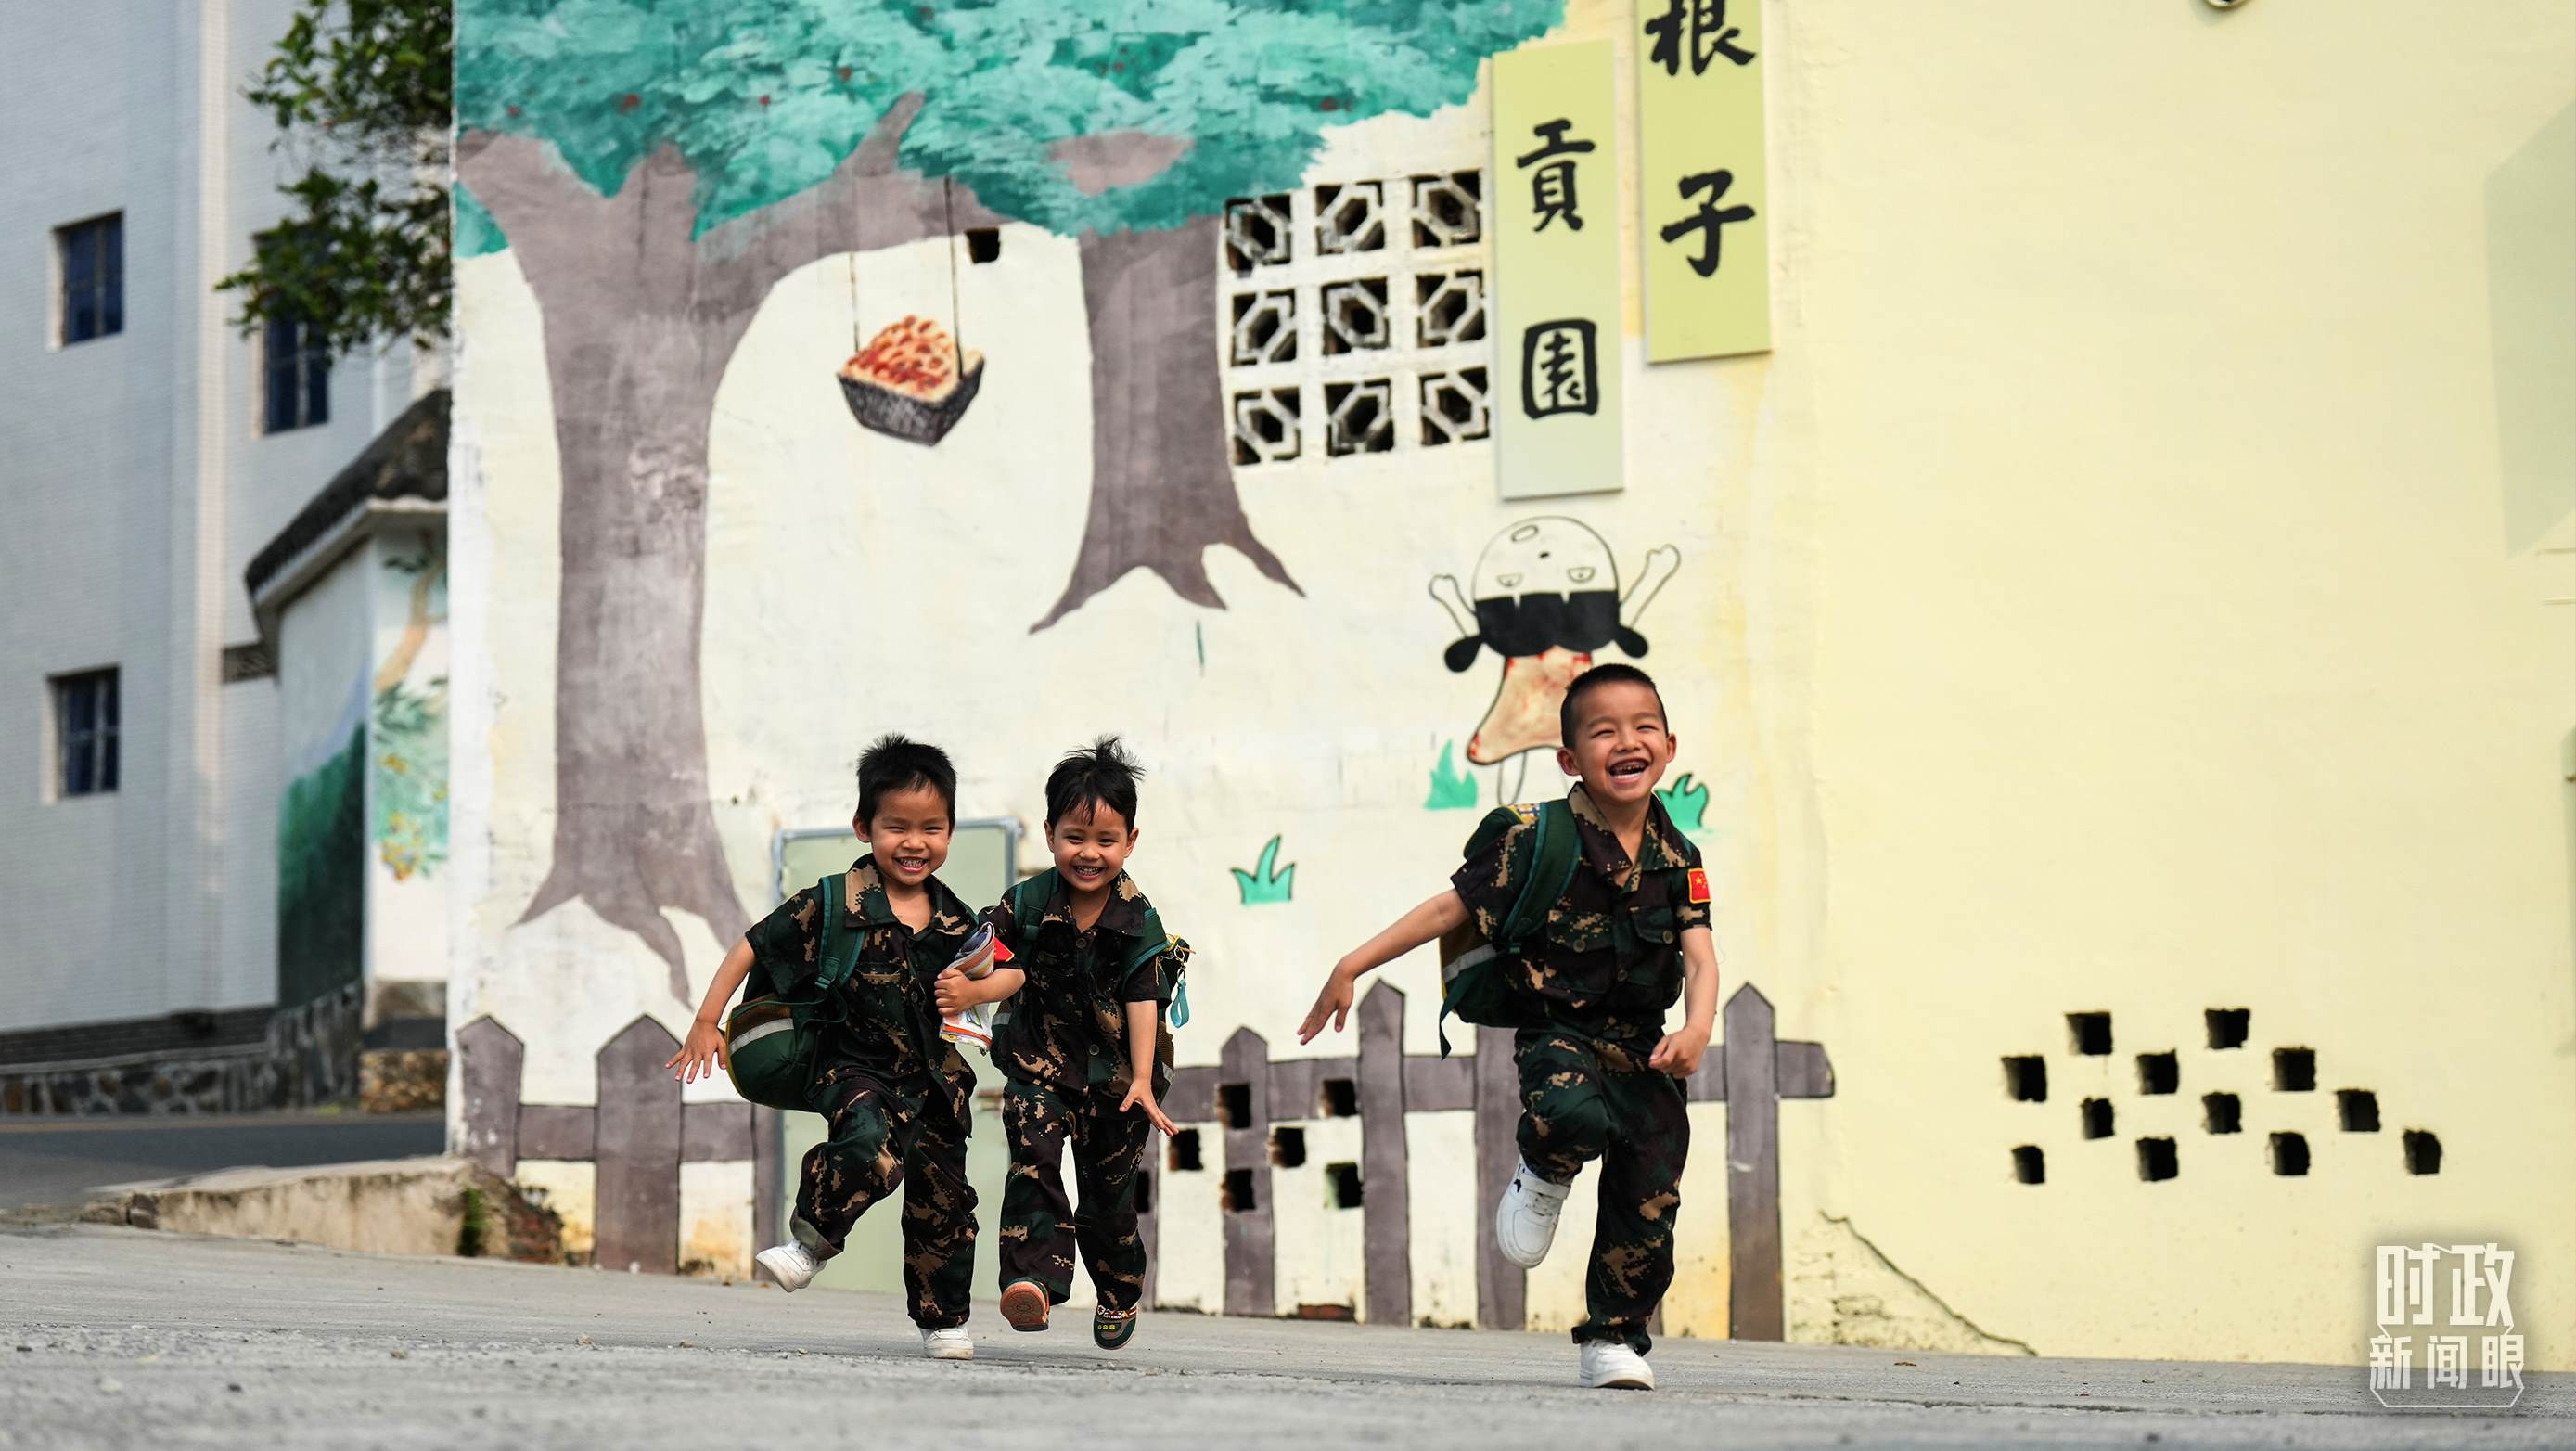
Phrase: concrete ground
[58,1161]
[115,1337]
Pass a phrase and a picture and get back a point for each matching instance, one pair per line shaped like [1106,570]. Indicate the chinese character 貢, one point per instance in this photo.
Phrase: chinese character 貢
[1708,218]
[1703,24]
[1559,373]
[2392,1363]
[1552,185]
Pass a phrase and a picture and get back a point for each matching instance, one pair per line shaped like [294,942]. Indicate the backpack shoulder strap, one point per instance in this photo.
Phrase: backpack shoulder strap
[838,951]
[1554,849]
[1028,904]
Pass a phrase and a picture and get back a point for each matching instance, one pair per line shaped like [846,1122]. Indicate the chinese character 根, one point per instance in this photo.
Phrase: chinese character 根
[1703,24]
[1552,185]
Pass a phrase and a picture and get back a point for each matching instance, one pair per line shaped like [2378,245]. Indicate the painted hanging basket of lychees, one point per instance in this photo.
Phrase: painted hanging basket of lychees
[911,382]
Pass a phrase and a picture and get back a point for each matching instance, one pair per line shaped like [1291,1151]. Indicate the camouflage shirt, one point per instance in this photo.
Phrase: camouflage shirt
[891,1033]
[1608,962]
[1066,1028]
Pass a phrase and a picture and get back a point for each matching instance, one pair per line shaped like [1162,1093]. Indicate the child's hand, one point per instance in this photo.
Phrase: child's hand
[1333,1002]
[701,1054]
[1679,1052]
[1140,1094]
[955,992]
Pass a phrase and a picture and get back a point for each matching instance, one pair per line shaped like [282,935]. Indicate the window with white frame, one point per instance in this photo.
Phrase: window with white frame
[85,728]
[1354,318]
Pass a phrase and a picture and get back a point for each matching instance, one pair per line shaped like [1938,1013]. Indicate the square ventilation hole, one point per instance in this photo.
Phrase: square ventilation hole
[2159,1073]
[1185,1151]
[1341,1098]
[2089,1033]
[2030,1166]
[2026,1079]
[2423,1153]
[1288,1148]
[1239,1195]
[2290,1155]
[1234,1104]
[2222,1113]
[2097,1118]
[2294,1070]
[2228,1026]
[1344,1181]
[984,244]
[2156,1160]
[2357,1109]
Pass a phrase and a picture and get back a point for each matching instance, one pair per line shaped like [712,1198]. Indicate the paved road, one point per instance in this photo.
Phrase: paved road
[56,1161]
[118,1337]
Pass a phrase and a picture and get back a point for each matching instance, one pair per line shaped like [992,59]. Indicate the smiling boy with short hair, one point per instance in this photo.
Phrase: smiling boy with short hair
[1625,932]
[892,1092]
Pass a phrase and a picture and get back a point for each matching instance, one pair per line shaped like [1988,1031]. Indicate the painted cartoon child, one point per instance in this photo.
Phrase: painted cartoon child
[1587,991]
[893,1094]
[1547,597]
[1082,1053]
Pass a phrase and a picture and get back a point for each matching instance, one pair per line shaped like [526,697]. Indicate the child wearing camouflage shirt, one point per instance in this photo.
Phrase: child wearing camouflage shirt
[893,1094]
[1588,994]
[1081,1052]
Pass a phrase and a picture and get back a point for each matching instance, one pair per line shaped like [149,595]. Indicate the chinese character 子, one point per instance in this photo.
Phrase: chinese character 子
[1559,373]
[1552,185]
[1697,28]
[1708,218]
[2392,1363]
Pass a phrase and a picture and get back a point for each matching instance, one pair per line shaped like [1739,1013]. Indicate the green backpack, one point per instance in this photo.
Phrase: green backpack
[1472,984]
[771,1040]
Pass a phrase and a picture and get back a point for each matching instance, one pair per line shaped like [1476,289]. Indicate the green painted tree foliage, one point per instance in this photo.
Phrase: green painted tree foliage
[765,102]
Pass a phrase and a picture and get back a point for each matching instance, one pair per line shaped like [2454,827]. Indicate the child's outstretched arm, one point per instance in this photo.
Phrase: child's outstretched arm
[1444,911]
[1140,1063]
[1679,1052]
[703,1052]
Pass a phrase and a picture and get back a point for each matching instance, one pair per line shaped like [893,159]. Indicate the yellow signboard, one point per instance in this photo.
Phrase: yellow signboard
[1554,201]
[1701,178]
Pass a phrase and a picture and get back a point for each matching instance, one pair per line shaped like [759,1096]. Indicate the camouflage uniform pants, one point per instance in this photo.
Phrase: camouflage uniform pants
[1040,1230]
[1583,1100]
[880,1138]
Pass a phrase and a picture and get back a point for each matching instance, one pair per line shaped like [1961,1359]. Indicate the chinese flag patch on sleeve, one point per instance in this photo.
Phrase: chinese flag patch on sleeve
[1699,884]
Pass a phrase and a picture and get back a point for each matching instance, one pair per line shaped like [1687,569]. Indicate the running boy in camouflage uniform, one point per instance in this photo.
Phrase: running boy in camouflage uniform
[1600,1078]
[1081,1052]
[892,1092]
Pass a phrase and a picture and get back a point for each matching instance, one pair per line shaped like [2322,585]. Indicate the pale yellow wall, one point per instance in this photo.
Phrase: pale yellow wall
[2167,647]
[2101,599]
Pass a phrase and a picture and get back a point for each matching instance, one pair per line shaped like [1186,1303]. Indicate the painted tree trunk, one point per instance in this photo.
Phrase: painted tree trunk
[1162,489]
[634,392]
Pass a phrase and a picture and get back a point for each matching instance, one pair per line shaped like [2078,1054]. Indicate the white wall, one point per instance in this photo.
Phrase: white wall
[136,486]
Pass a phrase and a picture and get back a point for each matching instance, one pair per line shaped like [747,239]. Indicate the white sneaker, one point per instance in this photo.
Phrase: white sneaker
[1525,1220]
[953,1343]
[791,1264]
[1610,1365]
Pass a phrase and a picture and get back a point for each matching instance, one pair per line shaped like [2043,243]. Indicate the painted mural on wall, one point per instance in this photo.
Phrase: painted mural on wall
[408,789]
[1547,597]
[658,168]
[322,866]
